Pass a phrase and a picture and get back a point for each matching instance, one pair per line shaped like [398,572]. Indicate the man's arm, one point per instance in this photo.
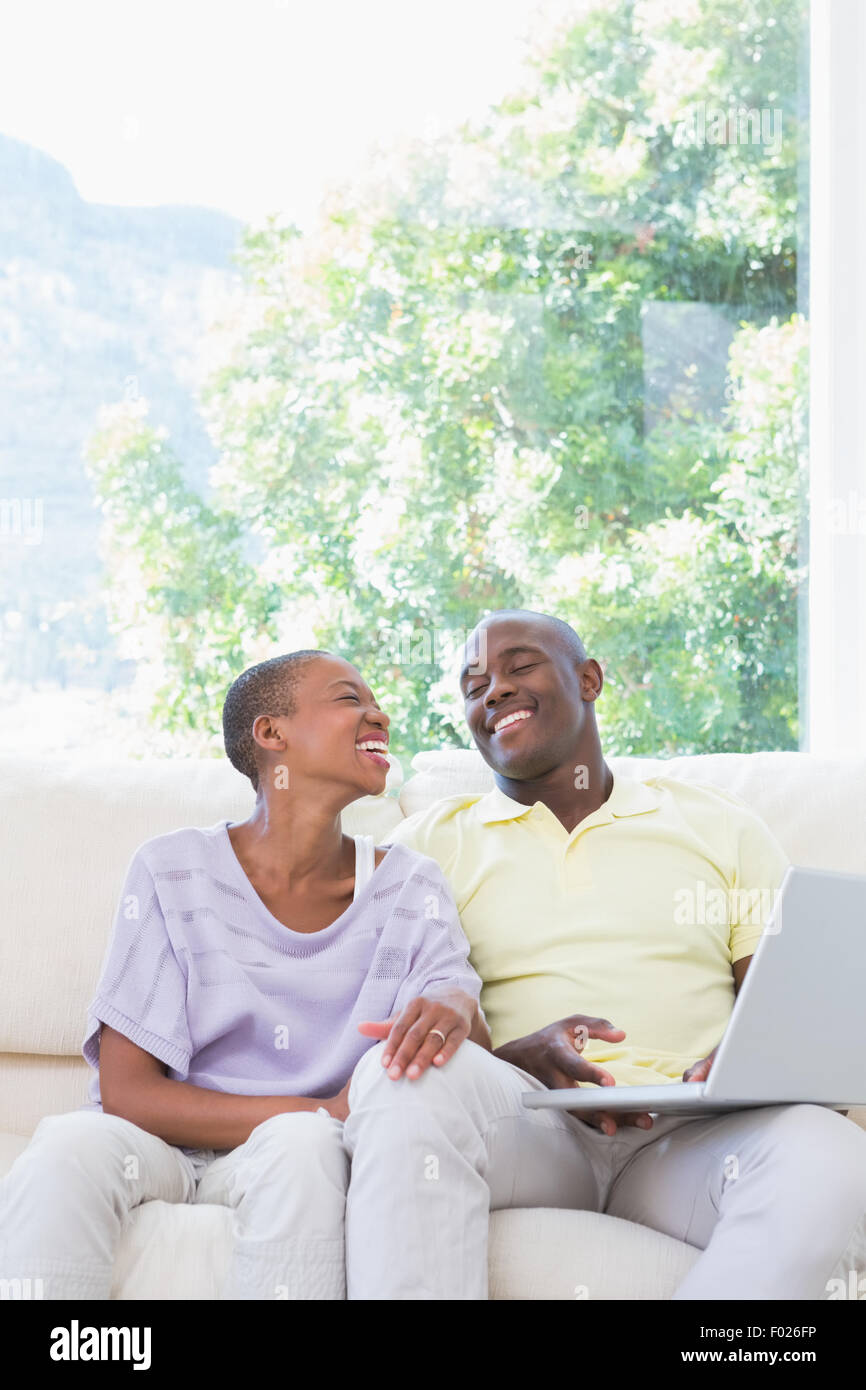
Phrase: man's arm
[760,866]
[699,1071]
[133,1085]
[739,968]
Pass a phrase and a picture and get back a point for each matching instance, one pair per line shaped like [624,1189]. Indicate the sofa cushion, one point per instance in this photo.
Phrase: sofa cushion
[554,1255]
[34,1084]
[68,829]
[182,1252]
[815,806]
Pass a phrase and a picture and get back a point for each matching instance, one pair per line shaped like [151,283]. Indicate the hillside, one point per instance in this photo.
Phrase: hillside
[96,302]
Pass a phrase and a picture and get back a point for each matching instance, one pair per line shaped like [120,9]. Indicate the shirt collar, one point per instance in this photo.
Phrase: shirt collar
[628,797]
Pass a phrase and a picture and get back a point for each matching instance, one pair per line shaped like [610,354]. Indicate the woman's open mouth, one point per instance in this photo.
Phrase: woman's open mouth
[374,749]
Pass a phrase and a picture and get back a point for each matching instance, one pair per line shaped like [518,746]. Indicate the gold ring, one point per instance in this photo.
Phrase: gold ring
[437,1032]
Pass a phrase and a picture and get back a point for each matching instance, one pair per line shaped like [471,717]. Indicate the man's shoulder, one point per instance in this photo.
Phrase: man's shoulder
[437,824]
[697,793]
[445,810]
[717,812]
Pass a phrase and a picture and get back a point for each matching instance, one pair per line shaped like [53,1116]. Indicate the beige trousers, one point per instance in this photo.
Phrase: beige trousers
[394,1203]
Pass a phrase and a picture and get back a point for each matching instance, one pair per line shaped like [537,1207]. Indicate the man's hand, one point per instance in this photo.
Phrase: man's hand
[699,1071]
[412,1038]
[551,1056]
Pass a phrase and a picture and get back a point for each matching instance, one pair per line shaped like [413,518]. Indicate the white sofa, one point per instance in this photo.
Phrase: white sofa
[67,831]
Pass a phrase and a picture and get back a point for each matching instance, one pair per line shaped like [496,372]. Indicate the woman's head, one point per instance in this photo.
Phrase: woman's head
[300,719]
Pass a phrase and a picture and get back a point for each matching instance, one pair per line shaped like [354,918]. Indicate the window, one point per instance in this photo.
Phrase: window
[548,349]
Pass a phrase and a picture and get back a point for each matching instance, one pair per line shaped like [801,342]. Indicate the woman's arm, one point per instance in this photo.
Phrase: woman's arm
[466,1005]
[133,1085]
[445,1011]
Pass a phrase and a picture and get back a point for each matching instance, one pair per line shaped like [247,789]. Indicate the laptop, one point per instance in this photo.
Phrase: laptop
[797,1031]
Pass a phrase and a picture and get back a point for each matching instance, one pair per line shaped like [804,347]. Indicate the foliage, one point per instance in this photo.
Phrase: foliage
[484,381]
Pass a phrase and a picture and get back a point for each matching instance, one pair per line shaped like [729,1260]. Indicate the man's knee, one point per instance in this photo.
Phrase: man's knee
[825,1142]
[370,1064]
[815,1125]
[471,1066]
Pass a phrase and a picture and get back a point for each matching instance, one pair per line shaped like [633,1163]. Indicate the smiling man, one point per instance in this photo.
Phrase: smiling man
[573,888]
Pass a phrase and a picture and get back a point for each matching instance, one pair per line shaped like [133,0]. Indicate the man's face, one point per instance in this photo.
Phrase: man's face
[524,696]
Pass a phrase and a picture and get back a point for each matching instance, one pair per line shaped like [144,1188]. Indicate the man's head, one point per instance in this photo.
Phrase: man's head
[528,689]
[307,711]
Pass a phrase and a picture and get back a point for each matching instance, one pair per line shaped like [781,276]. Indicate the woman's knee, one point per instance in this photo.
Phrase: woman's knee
[90,1133]
[297,1138]
[80,1148]
[290,1163]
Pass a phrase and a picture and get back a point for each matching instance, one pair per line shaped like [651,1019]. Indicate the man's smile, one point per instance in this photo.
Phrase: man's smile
[506,721]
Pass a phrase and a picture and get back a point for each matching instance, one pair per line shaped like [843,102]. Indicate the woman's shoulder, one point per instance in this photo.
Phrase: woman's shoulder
[186,848]
[410,864]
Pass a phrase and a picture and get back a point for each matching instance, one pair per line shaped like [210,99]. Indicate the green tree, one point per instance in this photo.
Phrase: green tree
[448,399]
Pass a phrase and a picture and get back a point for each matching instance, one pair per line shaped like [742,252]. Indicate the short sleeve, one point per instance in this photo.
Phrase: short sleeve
[760,865]
[142,989]
[411,832]
[441,961]
[433,833]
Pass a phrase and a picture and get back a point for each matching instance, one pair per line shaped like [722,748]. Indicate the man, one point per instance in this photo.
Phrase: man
[573,887]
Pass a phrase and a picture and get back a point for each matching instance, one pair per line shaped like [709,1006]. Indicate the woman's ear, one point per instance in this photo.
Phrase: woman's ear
[266,733]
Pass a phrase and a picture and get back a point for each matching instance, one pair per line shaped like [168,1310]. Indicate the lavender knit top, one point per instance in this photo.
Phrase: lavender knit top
[200,974]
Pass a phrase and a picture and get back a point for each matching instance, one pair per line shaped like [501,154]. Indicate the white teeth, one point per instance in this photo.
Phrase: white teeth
[512,719]
[373,747]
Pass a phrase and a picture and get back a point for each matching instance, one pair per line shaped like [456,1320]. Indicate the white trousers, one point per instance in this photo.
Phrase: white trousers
[394,1203]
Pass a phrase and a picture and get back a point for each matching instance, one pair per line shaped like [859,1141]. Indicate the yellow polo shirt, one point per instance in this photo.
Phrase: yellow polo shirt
[636,916]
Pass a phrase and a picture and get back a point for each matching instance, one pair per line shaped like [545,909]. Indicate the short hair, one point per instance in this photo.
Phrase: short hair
[568,637]
[267,688]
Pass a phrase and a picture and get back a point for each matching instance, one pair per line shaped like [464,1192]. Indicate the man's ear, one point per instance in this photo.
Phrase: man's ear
[591,679]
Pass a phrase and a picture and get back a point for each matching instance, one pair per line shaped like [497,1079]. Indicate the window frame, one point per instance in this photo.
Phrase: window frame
[834,719]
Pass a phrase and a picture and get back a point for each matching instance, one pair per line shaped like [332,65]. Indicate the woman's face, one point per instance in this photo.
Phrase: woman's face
[337,734]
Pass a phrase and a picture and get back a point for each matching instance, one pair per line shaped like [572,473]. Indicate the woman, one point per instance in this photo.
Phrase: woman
[250,968]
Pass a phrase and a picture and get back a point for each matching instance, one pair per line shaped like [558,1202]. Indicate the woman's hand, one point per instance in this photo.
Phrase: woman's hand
[412,1038]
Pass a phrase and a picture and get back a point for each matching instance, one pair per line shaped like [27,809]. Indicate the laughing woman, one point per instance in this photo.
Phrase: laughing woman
[250,969]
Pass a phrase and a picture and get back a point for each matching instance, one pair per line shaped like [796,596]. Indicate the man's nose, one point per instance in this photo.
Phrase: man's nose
[498,687]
